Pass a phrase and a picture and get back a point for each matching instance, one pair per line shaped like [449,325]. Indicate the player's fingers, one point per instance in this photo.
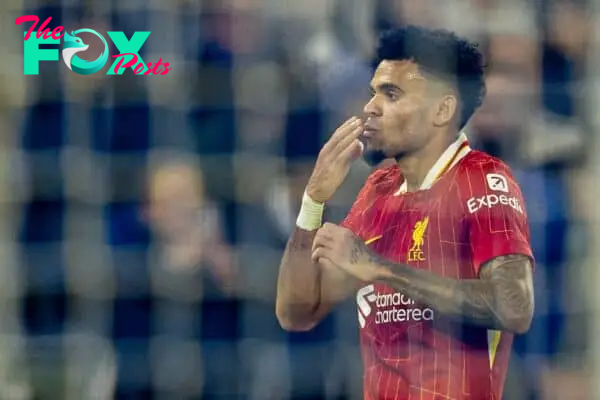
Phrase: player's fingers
[318,253]
[342,130]
[348,122]
[349,133]
[322,239]
[328,226]
[347,128]
[329,229]
[347,140]
[353,150]
[326,262]
[334,137]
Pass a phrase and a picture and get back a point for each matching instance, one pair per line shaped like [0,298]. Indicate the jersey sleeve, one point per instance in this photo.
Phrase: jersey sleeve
[495,214]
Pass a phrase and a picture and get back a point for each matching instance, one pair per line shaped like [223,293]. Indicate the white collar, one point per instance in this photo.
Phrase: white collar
[453,154]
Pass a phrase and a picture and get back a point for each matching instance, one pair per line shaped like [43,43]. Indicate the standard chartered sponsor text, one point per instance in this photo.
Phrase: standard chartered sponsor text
[398,313]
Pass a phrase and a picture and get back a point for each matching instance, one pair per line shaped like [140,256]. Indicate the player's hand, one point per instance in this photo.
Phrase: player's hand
[337,247]
[335,158]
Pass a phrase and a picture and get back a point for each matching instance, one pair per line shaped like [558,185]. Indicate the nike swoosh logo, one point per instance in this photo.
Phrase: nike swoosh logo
[373,239]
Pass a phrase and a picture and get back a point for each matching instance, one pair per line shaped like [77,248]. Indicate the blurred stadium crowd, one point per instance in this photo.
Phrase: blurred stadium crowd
[143,217]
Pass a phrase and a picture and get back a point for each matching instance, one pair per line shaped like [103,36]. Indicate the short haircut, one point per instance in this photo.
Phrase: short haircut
[442,54]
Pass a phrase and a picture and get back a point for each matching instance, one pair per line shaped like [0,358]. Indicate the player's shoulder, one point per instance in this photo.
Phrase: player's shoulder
[480,172]
[478,161]
[479,167]
[487,183]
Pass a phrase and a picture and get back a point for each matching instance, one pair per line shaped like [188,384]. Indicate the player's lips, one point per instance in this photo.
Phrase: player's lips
[369,131]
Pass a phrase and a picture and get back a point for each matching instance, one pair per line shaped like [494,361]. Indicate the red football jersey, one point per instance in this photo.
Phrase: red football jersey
[468,211]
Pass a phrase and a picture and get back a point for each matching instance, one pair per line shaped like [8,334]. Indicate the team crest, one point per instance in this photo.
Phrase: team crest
[415,253]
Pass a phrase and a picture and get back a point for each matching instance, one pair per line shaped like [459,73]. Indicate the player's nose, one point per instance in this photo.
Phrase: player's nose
[372,107]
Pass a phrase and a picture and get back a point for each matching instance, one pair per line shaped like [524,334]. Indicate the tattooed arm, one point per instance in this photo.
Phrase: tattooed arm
[502,297]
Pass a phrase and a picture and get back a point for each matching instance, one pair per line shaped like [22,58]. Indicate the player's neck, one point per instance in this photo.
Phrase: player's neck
[415,167]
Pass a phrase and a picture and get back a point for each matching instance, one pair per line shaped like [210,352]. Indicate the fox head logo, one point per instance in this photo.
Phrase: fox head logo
[73,45]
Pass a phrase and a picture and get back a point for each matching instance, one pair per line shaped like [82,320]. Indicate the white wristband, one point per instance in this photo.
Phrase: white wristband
[311,214]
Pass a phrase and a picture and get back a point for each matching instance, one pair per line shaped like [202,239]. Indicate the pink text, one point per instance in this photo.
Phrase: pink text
[42,30]
[156,70]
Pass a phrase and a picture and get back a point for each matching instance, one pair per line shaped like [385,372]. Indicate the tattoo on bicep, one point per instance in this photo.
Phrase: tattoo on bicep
[511,277]
[490,266]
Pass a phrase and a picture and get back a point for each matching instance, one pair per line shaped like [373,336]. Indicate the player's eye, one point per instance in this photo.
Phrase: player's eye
[392,95]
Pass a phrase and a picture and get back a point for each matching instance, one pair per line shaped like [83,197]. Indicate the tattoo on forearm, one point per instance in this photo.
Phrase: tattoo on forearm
[501,299]
[358,250]
[511,277]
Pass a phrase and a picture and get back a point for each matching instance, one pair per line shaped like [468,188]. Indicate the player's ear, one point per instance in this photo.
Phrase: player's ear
[446,110]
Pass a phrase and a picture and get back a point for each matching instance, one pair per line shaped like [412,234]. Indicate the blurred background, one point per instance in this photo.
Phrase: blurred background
[143,217]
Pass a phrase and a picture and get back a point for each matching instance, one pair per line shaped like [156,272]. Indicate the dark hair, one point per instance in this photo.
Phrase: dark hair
[442,54]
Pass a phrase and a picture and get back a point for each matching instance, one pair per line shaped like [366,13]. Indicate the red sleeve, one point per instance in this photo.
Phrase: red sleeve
[495,213]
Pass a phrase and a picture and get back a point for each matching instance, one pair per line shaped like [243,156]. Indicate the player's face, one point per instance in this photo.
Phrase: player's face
[399,113]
